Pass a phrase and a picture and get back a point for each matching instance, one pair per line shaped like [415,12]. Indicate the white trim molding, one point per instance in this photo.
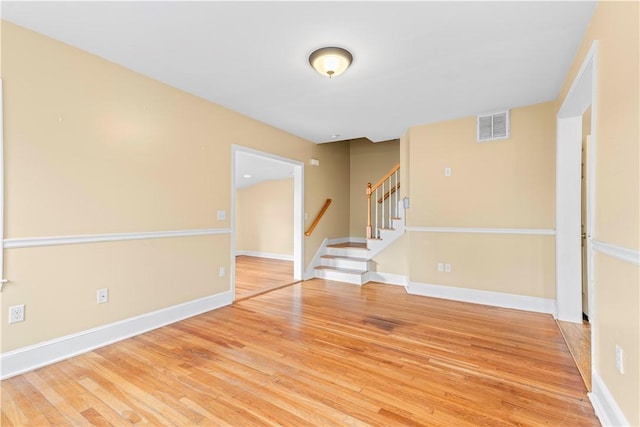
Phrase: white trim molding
[475,296]
[269,255]
[604,404]
[388,278]
[45,353]
[31,242]
[623,254]
[534,231]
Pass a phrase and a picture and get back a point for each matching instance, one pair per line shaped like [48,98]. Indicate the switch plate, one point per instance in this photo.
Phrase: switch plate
[619,359]
[102,296]
[16,313]
[221,215]
[440,267]
[447,268]
[222,271]
[447,171]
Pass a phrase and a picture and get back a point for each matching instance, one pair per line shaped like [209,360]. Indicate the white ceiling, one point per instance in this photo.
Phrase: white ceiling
[260,169]
[414,62]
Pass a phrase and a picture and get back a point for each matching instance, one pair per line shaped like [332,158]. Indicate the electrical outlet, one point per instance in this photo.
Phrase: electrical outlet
[16,313]
[619,359]
[221,215]
[102,295]
[440,267]
[447,171]
[222,271]
[447,268]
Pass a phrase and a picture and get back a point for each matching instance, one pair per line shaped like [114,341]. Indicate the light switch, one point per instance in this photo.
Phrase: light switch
[447,171]
[222,215]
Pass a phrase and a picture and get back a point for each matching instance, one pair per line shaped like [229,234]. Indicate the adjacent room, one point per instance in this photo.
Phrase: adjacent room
[320,213]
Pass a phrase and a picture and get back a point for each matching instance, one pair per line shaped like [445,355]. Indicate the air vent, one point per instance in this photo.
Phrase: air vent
[493,126]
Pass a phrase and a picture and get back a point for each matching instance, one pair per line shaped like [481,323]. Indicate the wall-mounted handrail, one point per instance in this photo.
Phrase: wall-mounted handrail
[317,220]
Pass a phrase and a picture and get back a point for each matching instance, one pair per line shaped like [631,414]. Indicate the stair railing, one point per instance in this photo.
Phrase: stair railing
[383,207]
[317,220]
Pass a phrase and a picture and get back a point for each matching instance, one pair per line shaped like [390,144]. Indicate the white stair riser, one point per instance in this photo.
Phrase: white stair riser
[350,252]
[340,276]
[345,263]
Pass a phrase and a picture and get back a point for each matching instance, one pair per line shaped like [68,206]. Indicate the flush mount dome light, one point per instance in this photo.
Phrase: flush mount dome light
[330,61]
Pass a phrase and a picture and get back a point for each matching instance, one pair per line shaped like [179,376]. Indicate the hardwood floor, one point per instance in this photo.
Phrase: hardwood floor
[258,275]
[578,339]
[319,353]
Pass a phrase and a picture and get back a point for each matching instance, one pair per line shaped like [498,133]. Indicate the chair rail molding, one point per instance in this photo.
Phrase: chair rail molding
[631,256]
[30,242]
[533,231]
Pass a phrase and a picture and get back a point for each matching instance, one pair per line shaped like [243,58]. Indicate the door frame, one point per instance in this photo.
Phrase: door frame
[581,95]
[298,210]
[3,280]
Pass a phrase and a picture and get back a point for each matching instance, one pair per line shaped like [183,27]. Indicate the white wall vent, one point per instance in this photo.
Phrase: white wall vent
[493,126]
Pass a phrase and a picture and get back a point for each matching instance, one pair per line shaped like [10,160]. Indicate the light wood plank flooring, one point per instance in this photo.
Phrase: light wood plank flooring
[258,275]
[319,353]
[578,339]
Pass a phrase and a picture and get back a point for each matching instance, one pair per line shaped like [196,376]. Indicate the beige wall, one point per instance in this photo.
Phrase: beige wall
[503,184]
[368,163]
[615,25]
[393,259]
[264,218]
[91,147]
[499,184]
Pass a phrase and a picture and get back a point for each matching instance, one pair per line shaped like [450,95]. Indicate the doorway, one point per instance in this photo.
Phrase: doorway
[575,207]
[267,221]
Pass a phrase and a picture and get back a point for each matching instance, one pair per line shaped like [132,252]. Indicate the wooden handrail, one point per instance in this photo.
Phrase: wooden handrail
[317,220]
[388,193]
[373,187]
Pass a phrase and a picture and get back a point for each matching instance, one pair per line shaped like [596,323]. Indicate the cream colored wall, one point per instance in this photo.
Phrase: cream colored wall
[91,147]
[369,162]
[393,259]
[507,263]
[57,284]
[615,25]
[264,218]
[498,184]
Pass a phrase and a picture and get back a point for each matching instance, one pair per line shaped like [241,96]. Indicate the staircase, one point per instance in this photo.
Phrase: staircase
[350,262]
[345,262]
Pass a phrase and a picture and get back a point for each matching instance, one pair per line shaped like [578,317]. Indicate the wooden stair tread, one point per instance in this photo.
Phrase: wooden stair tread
[353,245]
[346,258]
[340,270]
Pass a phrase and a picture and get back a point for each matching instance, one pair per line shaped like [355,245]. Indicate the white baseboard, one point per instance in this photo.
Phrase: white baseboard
[282,257]
[497,299]
[357,239]
[388,278]
[28,358]
[604,404]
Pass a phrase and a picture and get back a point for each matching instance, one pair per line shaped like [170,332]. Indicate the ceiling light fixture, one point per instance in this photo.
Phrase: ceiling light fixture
[330,61]
[246,176]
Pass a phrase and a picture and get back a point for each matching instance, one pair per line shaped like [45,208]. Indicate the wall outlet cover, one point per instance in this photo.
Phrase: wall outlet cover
[16,313]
